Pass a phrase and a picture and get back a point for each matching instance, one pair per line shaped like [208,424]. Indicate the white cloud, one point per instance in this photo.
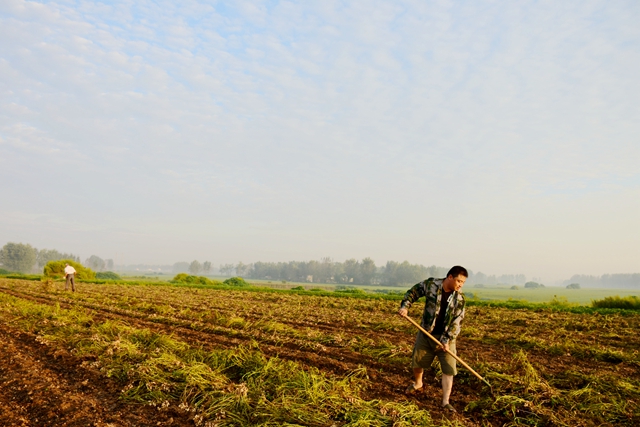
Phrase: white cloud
[339,126]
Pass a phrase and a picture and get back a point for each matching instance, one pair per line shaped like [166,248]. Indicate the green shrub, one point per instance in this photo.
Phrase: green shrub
[573,286]
[629,303]
[56,268]
[194,280]
[350,290]
[514,287]
[3,271]
[298,288]
[181,278]
[107,275]
[235,281]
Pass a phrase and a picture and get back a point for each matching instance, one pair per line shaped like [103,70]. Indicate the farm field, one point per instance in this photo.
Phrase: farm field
[487,292]
[577,296]
[125,355]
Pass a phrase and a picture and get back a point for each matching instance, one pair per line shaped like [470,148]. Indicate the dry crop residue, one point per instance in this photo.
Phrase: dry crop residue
[41,386]
[539,359]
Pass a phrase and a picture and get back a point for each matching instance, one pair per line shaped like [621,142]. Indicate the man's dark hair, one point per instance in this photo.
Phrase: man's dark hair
[456,270]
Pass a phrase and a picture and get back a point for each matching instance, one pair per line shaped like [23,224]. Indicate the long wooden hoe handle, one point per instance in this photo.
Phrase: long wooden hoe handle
[454,356]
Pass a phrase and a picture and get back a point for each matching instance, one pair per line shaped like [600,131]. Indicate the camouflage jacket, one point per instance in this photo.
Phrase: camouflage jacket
[431,289]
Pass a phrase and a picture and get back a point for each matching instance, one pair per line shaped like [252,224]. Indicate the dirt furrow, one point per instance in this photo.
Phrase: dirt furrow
[387,382]
[43,387]
[335,359]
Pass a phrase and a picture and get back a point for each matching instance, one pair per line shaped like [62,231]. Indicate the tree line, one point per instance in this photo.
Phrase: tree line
[362,272]
[24,258]
[19,257]
[351,271]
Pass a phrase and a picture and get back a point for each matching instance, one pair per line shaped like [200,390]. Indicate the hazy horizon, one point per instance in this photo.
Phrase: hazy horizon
[502,136]
[477,276]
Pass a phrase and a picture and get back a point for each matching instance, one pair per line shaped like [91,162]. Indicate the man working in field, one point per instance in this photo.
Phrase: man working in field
[70,274]
[443,314]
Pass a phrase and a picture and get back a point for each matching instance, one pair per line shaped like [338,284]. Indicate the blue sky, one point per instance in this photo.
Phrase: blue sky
[500,135]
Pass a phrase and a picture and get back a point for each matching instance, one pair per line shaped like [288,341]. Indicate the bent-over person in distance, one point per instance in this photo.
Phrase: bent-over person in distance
[442,318]
[70,275]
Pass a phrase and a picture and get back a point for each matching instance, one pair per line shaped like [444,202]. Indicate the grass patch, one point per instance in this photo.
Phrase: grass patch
[627,303]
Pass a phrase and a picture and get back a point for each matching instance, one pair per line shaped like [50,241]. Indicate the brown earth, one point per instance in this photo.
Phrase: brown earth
[40,386]
[44,386]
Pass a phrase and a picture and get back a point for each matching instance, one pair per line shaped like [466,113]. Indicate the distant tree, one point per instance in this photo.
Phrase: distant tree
[95,263]
[195,267]
[206,267]
[389,275]
[241,269]
[351,271]
[533,285]
[46,255]
[109,264]
[288,271]
[227,269]
[326,270]
[261,270]
[480,277]
[338,272]
[181,267]
[311,271]
[573,286]
[507,279]
[367,271]
[18,257]
[436,272]
[514,287]
[396,274]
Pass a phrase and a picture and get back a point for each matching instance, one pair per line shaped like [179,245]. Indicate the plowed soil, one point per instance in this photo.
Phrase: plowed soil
[45,386]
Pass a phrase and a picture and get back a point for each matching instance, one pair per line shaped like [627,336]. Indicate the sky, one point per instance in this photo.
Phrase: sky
[503,136]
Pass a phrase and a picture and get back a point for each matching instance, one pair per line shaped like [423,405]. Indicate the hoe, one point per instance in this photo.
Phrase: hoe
[454,356]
